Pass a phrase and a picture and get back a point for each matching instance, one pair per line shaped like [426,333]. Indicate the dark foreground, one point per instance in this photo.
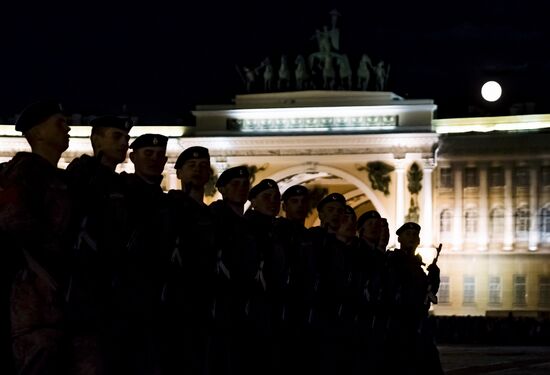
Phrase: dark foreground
[462,359]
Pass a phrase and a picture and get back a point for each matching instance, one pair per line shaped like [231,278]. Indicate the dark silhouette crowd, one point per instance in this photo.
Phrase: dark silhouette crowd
[104,273]
[488,330]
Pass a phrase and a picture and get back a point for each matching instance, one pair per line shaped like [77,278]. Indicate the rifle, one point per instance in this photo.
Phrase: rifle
[430,296]
[434,262]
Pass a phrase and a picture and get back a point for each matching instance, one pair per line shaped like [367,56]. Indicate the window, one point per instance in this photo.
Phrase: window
[443,294]
[495,292]
[545,223]
[496,177]
[522,177]
[496,222]
[544,291]
[520,290]
[522,222]
[470,221]
[469,290]
[471,177]
[446,177]
[545,175]
[445,220]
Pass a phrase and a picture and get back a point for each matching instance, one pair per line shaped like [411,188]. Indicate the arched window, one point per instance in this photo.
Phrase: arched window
[445,220]
[470,221]
[496,223]
[522,223]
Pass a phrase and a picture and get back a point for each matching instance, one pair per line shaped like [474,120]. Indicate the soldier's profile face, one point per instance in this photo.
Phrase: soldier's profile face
[331,215]
[296,207]
[268,202]
[347,225]
[409,239]
[113,143]
[195,171]
[236,190]
[54,131]
[149,161]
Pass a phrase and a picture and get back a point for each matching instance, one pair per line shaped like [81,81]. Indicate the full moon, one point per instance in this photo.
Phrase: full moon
[491,91]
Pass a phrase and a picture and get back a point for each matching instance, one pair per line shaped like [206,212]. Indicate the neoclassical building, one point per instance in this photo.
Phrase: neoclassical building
[479,186]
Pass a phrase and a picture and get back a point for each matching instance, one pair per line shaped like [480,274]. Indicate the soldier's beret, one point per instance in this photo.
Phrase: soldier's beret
[294,191]
[348,210]
[149,140]
[111,122]
[231,173]
[194,152]
[262,186]
[334,197]
[372,214]
[36,113]
[409,225]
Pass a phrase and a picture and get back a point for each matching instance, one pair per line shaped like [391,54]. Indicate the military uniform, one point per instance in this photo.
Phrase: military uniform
[189,293]
[236,268]
[266,300]
[35,225]
[102,230]
[330,263]
[369,266]
[142,271]
[405,295]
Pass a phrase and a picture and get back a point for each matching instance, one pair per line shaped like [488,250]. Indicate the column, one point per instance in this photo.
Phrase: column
[427,207]
[400,197]
[533,209]
[483,223]
[458,236]
[508,209]
[173,181]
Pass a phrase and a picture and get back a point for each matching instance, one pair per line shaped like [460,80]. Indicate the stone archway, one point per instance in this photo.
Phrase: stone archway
[318,170]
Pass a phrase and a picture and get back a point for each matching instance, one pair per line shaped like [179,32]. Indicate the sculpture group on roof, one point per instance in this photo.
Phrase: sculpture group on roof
[326,69]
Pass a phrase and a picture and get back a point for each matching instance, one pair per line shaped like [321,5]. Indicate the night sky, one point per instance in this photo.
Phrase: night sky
[162,60]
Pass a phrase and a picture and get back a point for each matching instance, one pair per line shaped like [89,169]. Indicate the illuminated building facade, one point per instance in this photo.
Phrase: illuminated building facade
[480,186]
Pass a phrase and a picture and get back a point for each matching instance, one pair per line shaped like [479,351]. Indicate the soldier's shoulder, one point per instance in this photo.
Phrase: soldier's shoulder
[316,231]
[217,206]
[24,167]
[81,166]
[80,161]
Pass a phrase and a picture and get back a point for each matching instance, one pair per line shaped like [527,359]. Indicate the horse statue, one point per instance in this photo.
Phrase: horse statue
[328,73]
[284,73]
[248,77]
[345,72]
[381,75]
[363,72]
[268,74]
[301,73]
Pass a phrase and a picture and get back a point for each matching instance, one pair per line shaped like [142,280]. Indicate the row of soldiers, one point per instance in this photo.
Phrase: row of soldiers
[107,274]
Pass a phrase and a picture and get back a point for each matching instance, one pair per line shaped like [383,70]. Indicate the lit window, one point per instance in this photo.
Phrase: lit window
[496,222]
[470,221]
[446,177]
[520,290]
[522,222]
[443,294]
[495,293]
[545,223]
[469,290]
[544,291]
[445,220]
